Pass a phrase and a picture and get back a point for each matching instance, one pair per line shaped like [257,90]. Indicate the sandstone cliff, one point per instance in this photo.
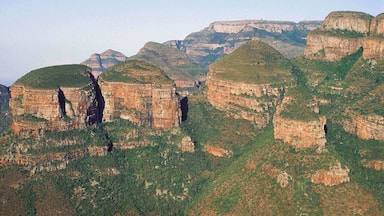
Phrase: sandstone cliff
[249,82]
[334,176]
[365,126]
[175,64]
[343,33]
[222,38]
[101,62]
[49,99]
[297,123]
[141,93]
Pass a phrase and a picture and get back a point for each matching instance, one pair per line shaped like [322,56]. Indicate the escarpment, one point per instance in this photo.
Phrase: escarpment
[141,93]
[68,97]
[343,33]
[249,82]
[53,99]
[223,37]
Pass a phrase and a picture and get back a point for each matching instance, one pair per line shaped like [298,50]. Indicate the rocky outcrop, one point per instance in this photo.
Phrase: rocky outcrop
[375,164]
[101,62]
[144,95]
[222,38]
[344,33]
[365,126]
[217,151]
[299,133]
[334,176]
[252,102]
[37,109]
[175,64]
[248,89]
[186,144]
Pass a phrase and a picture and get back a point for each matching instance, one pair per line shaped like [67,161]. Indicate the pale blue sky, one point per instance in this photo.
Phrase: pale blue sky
[39,33]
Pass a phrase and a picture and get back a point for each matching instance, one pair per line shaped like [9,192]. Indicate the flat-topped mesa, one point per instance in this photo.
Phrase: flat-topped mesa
[175,64]
[53,99]
[248,83]
[141,93]
[343,33]
[101,62]
[297,122]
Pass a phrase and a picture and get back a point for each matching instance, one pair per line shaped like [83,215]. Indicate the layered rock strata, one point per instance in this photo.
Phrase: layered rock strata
[299,133]
[245,83]
[252,102]
[365,126]
[144,95]
[39,108]
[343,33]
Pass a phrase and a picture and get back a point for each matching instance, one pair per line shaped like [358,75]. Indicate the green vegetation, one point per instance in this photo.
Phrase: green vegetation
[298,108]
[56,76]
[254,62]
[133,71]
[30,118]
[339,33]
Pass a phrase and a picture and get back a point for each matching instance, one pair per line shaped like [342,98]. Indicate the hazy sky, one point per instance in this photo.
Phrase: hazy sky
[39,33]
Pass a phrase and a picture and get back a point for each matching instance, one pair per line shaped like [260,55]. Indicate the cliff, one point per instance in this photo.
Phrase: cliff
[365,126]
[297,122]
[175,64]
[141,93]
[248,83]
[101,62]
[54,98]
[343,33]
[222,38]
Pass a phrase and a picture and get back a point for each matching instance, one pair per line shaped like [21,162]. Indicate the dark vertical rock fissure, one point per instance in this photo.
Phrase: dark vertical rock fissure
[184,108]
[96,109]
[61,99]
[325,130]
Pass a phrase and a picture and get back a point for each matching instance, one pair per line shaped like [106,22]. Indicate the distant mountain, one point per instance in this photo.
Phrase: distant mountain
[172,61]
[222,38]
[101,62]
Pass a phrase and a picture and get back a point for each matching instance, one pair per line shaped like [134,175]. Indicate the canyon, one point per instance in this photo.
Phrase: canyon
[255,137]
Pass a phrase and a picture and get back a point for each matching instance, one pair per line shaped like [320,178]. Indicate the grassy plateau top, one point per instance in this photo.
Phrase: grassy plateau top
[56,76]
[255,62]
[133,71]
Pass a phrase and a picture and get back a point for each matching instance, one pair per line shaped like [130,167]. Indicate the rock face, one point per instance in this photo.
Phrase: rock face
[299,133]
[101,62]
[334,176]
[141,93]
[222,38]
[175,64]
[248,92]
[187,145]
[54,106]
[365,126]
[343,33]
